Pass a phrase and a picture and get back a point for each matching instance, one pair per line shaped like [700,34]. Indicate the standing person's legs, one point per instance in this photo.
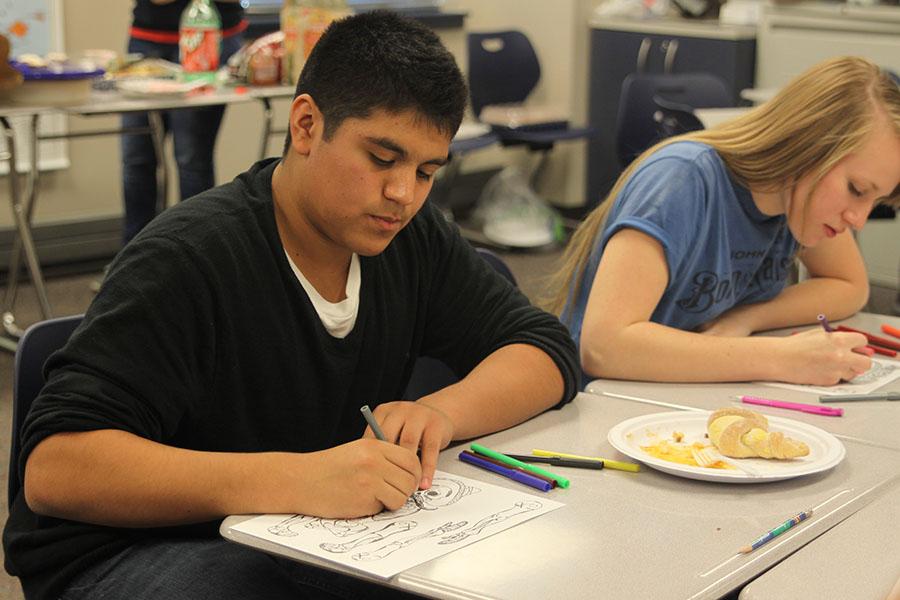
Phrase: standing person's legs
[139,188]
[194,134]
[188,569]
[138,156]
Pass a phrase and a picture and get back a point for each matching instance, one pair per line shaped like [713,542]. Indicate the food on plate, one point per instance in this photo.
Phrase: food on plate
[742,433]
[673,450]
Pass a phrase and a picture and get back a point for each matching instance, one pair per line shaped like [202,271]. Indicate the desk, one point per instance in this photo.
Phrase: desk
[633,535]
[101,103]
[874,423]
[869,564]
[711,117]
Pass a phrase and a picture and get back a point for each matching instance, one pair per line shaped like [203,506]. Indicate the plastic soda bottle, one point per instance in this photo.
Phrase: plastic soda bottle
[199,41]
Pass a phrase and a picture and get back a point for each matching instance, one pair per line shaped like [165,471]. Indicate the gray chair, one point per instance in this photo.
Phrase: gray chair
[36,345]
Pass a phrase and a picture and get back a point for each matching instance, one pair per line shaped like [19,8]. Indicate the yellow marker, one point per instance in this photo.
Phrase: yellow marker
[608,464]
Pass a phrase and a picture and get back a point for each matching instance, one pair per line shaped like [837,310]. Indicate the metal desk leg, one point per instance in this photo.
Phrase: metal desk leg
[158,137]
[267,127]
[22,213]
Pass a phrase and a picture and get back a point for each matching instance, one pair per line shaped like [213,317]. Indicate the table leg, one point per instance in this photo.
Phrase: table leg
[22,213]
[158,136]
[267,127]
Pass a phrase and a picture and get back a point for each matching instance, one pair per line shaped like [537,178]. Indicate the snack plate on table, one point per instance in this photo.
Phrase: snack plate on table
[825,450]
[157,88]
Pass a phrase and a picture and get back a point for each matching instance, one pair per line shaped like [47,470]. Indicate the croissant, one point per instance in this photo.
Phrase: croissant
[742,433]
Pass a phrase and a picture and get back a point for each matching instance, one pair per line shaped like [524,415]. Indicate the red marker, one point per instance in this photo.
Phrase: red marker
[873,339]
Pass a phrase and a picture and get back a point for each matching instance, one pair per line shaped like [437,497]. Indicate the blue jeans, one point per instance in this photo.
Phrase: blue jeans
[190,569]
[193,132]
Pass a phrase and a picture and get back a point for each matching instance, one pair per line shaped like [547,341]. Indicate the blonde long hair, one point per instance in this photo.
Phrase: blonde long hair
[809,126]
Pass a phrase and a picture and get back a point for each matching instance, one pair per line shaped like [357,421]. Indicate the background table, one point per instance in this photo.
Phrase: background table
[631,535]
[23,201]
[875,423]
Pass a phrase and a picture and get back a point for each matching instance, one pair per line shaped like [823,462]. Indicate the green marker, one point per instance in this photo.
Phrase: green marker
[562,481]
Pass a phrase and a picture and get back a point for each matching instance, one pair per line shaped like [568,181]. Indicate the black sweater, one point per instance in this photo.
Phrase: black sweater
[202,338]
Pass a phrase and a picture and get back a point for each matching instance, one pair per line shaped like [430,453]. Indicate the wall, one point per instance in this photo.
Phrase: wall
[90,188]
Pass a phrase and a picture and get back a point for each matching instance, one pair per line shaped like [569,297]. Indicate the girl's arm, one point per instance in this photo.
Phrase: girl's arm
[838,287]
[619,341]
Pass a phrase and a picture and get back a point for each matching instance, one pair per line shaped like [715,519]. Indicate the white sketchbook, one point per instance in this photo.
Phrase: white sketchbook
[881,373]
[454,512]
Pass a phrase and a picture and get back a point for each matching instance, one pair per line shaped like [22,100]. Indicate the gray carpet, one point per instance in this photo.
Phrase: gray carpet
[71,295]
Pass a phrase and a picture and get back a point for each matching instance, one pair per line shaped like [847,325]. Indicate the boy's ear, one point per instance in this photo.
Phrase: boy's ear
[306,123]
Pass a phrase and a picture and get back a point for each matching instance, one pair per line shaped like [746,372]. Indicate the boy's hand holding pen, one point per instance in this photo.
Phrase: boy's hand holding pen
[425,430]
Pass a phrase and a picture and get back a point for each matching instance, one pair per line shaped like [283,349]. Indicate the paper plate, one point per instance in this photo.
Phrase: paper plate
[156,88]
[825,450]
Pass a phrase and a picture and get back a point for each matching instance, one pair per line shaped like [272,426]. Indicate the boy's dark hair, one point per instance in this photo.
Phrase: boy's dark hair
[380,60]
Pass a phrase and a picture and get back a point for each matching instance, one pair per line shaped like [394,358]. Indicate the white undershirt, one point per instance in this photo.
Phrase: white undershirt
[337,317]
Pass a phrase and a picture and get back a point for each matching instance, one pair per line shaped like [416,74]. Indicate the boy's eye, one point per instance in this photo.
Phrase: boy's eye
[424,176]
[381,162]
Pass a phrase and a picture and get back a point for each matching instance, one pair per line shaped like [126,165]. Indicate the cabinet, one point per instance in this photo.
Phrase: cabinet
[619,47]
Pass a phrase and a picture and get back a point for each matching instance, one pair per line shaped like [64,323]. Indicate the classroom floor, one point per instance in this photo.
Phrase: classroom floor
[71,294]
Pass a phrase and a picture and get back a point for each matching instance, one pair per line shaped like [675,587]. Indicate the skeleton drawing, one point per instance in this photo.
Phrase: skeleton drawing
[444,491]
[454,512]
[371,538]
[398,544]
[498,517]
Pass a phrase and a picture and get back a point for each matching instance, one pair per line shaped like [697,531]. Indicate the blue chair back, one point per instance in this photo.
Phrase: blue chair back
[430,374]
[655,106]
[503,68]
[36,345]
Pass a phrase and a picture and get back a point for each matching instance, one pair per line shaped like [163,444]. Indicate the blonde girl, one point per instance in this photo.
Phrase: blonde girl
[691,251]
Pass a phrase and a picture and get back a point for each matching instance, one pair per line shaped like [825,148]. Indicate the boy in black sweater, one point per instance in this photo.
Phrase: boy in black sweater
[221,368]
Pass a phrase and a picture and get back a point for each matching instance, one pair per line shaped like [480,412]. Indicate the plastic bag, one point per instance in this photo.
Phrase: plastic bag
[512,214]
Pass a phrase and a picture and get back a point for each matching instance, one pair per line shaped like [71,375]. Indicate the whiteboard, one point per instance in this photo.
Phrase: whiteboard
[35,27]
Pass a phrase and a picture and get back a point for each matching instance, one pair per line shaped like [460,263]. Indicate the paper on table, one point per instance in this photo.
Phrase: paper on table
[881,373]
[454,512]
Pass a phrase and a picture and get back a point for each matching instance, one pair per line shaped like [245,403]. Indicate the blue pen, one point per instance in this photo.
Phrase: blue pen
[513,474]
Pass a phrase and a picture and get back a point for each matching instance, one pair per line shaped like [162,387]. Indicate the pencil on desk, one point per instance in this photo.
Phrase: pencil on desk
[894,331]
[607,463]
[770,535]
[860,397]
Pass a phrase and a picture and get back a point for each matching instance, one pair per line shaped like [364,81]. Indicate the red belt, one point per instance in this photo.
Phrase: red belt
[171,37]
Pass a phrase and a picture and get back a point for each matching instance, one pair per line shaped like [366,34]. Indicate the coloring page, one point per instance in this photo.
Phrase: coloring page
[454,512]
[881,373]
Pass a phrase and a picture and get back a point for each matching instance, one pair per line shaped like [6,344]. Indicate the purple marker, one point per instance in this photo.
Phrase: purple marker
[513,474]
[825,325]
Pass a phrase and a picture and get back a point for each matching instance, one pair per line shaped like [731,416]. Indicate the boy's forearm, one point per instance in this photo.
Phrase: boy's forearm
[115,478]
[511,385]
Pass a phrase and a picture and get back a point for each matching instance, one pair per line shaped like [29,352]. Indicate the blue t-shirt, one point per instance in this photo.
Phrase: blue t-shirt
[721,251]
